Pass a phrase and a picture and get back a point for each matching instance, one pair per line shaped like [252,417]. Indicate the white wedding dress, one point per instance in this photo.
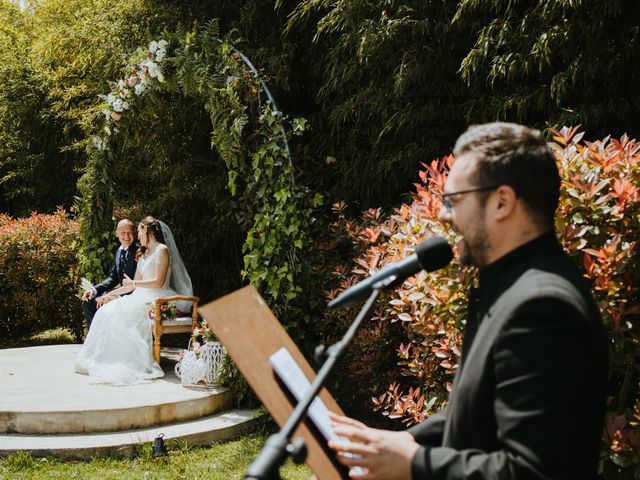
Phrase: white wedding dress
[118,349]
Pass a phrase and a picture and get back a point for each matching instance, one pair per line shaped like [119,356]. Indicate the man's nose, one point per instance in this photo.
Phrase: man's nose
[444,214]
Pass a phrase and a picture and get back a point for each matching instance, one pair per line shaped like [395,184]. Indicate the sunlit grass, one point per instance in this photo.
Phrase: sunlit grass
[221,461]
[53,336]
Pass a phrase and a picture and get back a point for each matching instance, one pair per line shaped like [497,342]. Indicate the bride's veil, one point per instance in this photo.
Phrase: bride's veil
[180,280]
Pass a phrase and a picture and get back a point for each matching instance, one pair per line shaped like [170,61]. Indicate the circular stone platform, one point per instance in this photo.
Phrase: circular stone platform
[48,409]
[42,394]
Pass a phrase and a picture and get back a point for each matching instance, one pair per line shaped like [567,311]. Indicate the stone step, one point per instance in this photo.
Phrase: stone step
[115,419]
[200,432]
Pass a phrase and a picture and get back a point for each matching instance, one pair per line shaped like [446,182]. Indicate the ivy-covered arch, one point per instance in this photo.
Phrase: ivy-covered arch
[247,132]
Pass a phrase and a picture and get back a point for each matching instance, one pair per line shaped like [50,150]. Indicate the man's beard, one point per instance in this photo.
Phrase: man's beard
[473,252]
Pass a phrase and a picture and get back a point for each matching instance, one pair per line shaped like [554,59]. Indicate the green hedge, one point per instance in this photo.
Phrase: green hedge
[38,282]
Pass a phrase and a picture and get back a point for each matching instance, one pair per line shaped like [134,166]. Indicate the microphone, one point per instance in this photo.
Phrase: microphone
[432,254]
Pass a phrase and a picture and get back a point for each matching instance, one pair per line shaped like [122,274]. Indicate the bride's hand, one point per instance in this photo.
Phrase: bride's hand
[127,282]
[104,299]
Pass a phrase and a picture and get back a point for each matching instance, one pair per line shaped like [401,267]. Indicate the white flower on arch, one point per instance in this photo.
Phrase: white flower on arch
[141,76]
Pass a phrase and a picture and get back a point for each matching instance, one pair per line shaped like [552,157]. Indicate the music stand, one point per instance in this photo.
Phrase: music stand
[245,325]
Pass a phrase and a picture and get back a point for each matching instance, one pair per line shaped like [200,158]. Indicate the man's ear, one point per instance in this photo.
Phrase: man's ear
[505,200]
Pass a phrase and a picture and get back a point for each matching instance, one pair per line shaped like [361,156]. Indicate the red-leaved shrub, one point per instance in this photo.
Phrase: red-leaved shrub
[38,288]
[412,344]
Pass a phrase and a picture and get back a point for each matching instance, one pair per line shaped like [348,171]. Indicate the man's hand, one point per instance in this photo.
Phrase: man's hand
[382,454]
[103,300]
[87,295]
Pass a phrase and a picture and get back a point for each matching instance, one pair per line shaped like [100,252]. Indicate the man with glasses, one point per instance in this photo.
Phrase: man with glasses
[529,394]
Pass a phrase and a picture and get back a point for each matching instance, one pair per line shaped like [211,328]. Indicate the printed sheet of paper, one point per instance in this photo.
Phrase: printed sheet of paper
[290,373]
[85,284]
[293,377]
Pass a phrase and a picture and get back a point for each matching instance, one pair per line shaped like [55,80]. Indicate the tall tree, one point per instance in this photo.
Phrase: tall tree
[554,62]
[29,158]
[387,85]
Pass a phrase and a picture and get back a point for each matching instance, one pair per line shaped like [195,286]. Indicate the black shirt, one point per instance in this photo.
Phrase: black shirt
[528,398]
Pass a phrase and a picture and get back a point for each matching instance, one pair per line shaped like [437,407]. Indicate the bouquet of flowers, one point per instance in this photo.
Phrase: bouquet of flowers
[204,332]
[167,310]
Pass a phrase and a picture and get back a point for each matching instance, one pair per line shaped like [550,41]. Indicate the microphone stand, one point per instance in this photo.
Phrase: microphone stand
[277,447]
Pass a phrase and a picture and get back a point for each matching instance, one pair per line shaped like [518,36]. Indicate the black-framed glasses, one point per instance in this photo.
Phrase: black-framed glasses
[445,196]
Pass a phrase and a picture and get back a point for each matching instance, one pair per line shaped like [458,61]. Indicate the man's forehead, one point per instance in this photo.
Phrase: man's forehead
[463,169]
[124,226]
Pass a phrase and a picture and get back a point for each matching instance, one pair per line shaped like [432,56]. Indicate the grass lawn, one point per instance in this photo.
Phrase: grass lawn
[223,461]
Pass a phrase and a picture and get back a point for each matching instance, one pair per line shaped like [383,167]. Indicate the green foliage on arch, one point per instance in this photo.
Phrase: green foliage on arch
[247,133]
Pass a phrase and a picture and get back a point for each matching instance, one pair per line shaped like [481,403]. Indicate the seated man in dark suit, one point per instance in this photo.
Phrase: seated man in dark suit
[125,264]
[528,398]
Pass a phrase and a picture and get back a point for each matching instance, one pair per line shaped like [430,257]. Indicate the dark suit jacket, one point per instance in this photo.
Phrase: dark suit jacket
[116,276]
[528,398]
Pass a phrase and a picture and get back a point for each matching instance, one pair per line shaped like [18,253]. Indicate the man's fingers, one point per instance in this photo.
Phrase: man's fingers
[361,475]
[341,419]
[360,435]
[358,467]
[352,461]
[349,461]
[353,448]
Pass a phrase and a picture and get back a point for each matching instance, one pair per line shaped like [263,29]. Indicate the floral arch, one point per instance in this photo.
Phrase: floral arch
[247,133]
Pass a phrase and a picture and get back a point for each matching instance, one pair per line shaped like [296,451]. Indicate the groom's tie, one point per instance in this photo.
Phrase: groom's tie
[121,263]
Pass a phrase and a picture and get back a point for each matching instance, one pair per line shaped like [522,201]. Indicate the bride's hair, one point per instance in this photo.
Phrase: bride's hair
[153,228]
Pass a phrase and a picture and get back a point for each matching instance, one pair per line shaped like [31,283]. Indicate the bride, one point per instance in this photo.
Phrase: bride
[118,347]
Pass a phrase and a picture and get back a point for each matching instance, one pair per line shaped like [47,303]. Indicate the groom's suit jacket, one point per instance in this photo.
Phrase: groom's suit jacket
[125,263]
[529,395]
